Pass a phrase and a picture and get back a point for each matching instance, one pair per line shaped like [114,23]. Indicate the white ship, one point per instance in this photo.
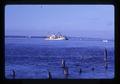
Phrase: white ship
[105,41]
[56,37]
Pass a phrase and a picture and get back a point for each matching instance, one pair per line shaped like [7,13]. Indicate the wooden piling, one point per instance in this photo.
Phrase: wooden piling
[105,58]
[80,70]
[49,75]
[66,73]
[93,69]
[14,74]
[63,63]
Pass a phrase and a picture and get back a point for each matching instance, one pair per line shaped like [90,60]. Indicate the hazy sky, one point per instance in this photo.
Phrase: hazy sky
[71,20]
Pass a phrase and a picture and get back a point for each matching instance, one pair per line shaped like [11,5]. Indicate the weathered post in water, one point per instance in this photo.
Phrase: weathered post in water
[14,75]
[49,75]
[80,70]
[92,68]
[66,73]
[81,60]
[105,58]
[63,63]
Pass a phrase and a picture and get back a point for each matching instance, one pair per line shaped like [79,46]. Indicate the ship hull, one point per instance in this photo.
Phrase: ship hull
[55,39]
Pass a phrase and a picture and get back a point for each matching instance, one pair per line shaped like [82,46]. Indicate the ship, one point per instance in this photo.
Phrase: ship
[56,37]
[105,41]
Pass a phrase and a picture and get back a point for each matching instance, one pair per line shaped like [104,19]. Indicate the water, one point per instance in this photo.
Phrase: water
[32,58]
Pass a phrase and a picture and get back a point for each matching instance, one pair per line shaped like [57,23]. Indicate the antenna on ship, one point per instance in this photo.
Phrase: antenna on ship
[59,34]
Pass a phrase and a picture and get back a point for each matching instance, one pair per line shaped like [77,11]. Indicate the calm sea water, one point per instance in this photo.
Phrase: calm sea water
[32,58]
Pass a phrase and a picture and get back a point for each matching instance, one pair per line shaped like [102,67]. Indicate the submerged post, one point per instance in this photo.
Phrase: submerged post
[49,75]
[80,70]
[105,58]
[63,63]
[93,69]
[66,72]
[13,71]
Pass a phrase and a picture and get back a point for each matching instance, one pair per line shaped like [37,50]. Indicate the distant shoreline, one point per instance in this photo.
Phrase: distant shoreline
[83,38]
[11,36]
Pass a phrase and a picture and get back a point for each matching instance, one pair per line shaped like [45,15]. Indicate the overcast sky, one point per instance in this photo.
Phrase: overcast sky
[71,20]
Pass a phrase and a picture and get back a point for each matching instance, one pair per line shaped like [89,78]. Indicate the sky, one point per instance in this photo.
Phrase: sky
[96,21]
